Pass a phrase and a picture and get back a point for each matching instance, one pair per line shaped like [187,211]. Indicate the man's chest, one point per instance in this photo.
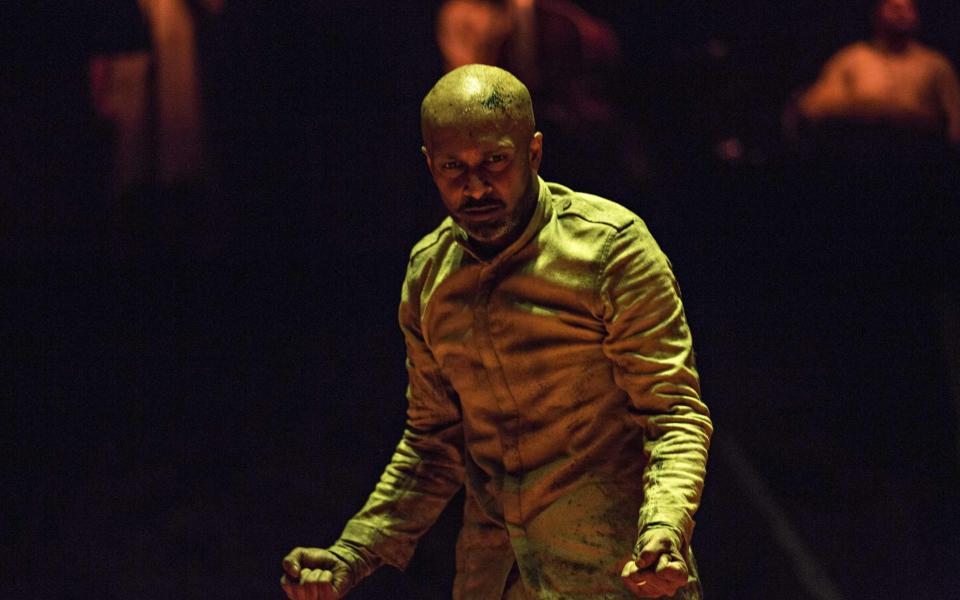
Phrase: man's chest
[524,352]
[529,312]
[898,81]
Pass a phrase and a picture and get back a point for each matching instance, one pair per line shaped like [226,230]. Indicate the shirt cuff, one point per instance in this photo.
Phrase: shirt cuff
[360,562]
[676,519]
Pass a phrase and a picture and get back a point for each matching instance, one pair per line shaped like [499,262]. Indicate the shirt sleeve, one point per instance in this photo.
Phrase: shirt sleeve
[649,342]
[426,468]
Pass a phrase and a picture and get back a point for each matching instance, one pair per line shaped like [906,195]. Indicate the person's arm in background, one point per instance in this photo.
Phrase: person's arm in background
[119,89]
[829,96]
[948,93]
[426,470]
[650,344]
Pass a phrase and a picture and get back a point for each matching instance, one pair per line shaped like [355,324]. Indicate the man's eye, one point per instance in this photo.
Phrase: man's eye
[496,162]
[451,166]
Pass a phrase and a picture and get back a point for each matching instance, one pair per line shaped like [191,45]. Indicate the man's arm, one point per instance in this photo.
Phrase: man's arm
[829,97]
[425,471]
[948,93]
[649,342]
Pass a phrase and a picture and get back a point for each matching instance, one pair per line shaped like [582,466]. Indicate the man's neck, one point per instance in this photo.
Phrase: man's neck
[890,43]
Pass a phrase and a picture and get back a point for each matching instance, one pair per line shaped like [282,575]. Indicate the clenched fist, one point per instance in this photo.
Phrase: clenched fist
[659,569]
[314,574]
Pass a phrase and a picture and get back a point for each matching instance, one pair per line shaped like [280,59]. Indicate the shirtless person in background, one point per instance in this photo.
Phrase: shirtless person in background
[884,191]
[892,79]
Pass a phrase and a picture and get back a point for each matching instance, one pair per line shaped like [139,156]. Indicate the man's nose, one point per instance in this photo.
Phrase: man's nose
[476,186]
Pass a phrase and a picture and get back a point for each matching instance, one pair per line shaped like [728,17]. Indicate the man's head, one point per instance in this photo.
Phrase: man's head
[896,18]
[472,31]
[483,152]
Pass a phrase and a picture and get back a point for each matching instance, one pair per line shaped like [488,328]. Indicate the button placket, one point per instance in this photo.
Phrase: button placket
[506,404]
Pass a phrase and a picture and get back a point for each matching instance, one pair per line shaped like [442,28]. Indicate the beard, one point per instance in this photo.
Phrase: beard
[503,229]
[504,226]
[490,231]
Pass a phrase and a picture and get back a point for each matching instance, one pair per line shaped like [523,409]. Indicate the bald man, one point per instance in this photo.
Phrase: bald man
[892,79]
[550,370]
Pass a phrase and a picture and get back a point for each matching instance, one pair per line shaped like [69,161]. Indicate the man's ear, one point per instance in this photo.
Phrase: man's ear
[426,155]
[536,151]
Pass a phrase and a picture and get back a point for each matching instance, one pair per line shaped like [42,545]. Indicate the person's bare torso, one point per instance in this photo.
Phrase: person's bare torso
[894,86]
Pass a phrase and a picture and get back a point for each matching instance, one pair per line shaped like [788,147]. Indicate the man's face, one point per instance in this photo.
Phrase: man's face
[897,16]
[486,176]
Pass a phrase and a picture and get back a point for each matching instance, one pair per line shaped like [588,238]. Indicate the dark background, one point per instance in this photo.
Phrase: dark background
[180,413]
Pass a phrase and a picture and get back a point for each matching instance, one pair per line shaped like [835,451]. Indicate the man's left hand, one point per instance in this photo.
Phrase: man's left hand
[659,568]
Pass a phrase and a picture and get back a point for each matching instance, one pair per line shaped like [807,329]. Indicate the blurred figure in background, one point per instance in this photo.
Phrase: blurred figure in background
[572,64]
[892,79]
[882,124]
[151,98]
[879,133]
[54,148]
[880,130]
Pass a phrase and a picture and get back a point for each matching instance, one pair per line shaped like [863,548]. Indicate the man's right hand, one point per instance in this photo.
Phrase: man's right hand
[313,574]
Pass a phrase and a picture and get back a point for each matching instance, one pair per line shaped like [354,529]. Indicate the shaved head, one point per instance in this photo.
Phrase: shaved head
[477,94]
[483,153]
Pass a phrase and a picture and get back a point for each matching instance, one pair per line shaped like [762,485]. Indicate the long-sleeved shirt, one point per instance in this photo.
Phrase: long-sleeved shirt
[557,381]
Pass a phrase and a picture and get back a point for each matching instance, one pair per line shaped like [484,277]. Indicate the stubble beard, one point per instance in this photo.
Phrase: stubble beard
[505,230]
[492,231]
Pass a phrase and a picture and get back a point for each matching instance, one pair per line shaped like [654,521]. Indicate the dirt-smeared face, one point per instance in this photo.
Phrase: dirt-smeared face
[485,169]
[483,151]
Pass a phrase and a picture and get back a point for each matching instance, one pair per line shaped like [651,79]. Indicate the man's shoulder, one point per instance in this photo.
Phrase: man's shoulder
[864,50]
[853,53]
[590,208]
[931,56]
[437,241]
